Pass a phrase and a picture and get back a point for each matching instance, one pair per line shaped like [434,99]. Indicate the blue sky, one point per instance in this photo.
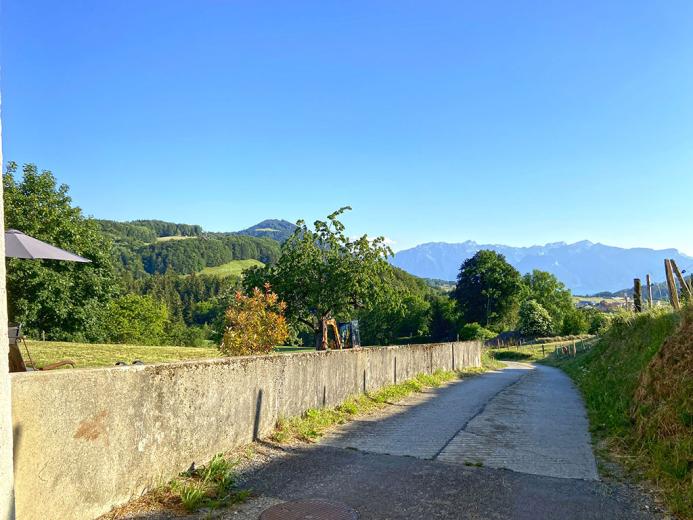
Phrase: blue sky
[508,122]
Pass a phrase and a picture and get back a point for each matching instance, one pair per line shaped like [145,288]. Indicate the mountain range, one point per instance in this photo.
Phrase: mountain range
[584,267]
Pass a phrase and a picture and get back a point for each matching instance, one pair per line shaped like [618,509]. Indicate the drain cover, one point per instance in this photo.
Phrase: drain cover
[309,510]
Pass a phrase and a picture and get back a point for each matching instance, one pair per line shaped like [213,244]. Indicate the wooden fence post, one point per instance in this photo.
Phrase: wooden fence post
[671,285]
[649,290]
[637,297]
[685,290]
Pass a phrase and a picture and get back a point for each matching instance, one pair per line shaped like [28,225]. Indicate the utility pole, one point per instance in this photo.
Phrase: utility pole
[671,285]
[637,296]
[649,290]
[685,289]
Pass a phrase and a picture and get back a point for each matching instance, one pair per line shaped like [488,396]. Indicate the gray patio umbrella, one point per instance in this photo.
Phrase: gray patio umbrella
[19,245]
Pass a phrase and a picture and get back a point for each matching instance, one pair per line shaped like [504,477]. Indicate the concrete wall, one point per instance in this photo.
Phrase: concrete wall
[89,439]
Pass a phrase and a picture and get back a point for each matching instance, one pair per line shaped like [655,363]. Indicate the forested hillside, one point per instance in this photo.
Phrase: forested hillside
[139,250]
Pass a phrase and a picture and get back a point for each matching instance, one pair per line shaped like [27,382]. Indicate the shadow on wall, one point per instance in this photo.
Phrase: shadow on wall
[258,414]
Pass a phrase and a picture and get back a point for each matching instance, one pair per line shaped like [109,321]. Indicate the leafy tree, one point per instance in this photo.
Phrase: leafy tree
[444,318]
[136,319]
[168,229]
[401,310]
[575,322]
[550,293]
[487,290]
[535,320]
[48,295]
[254,324]
[322,273]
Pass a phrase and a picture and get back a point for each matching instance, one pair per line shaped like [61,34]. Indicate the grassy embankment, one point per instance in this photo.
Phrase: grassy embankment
[637,383]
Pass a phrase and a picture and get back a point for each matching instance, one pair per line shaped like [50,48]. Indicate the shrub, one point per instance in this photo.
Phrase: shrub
[254,324]
[474,331]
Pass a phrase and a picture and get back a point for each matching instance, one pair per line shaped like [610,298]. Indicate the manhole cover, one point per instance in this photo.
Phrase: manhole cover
[309,510]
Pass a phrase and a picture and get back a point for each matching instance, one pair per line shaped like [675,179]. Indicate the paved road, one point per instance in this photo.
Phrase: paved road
[511,444]
[527,419]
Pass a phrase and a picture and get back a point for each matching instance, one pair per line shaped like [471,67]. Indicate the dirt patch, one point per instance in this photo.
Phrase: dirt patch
[93,428]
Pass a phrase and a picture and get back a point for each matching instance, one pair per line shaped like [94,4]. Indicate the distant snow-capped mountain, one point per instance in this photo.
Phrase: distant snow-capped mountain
[584,267]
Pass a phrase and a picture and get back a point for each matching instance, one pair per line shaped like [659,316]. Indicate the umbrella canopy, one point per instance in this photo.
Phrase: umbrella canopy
[19,245]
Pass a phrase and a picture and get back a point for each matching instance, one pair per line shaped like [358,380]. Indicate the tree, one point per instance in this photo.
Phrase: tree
[322,273]
[535,320]
[48,295]
[254,324]
[141,320]
[550,293]
[575,322]
[401,310]
[444,318]
[487,290]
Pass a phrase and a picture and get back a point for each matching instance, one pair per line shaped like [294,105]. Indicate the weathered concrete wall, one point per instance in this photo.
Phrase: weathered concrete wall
[86,440]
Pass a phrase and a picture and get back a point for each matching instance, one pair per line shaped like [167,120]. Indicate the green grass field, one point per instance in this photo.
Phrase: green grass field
[104,355]
[88,355]
[233,268]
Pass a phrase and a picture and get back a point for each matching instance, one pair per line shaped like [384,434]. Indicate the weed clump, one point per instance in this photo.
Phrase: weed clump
[211,487]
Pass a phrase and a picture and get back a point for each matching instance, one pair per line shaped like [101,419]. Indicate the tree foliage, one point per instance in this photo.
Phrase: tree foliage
[534,320]
[322,273]
[488,290]
[401,310]
[550,293]
[444,318]
[48,295]
[136,319]
[254,324]
[168,229]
